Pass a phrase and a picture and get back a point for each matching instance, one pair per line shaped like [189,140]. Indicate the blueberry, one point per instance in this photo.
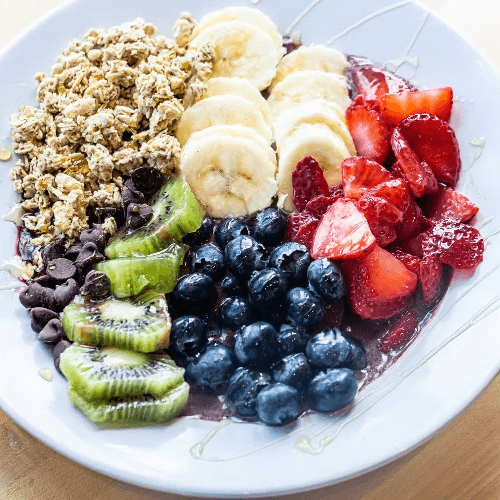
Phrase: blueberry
[236,312]
[194,292]
[201,235]
[356,360]
[188,336]
[332,390]
[328,348]
[274,315]
[232,286]
[293,370]
[303,308]
[212,367]
[278,404]
[270,227]
[267,287]
[291,339]
[244,256]
[209,260]
[326,280]
[256,345]
[243,388]
[293,259]
[220,335]
[228,229]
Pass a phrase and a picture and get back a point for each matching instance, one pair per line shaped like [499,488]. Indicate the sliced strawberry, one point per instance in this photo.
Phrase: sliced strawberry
[450,204]
[343,233]
[359,174]
[435,143]
[383,232]
[418,174]
[457,244]
[379,208]
[413,222]
[431,272]
[395,191]
[399,333]
[398,106]
[301,228]
[308,181]
[378,284]
[370,134]
[319,205]
[410,261]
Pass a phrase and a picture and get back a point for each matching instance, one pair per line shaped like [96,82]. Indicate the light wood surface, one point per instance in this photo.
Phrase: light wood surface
[461,462]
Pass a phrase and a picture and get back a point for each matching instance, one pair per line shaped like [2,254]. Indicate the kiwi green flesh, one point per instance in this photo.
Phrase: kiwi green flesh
[130,276]
[132,410]
[100,373]
[175,214]
[119,323]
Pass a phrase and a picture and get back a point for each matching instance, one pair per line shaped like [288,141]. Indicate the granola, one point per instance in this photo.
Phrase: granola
[109,106]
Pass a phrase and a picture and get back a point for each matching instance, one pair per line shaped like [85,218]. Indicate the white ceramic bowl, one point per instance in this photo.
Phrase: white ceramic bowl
[451,362]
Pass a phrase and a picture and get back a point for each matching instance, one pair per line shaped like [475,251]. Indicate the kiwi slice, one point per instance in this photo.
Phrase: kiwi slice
[175,214]
[142,326]
[132,410]
[99,373]
[131,275]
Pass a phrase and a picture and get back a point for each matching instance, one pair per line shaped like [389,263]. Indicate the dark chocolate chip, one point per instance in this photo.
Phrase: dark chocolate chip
[130,194]
[88,255]
[147,180]
[59,348]
[94,235]
[65,293]
[52,251]
[103,213]
[31,296]
[73,251]
[138,215]
[45,281]
[40,316]
[60,270]
[97,285]
[52,332]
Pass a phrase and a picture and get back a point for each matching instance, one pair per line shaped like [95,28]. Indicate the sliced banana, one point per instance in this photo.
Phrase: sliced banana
[315,140]
[241,50]
[312,57]
[230,175]
[222,110]
[237,86]
[315,112]
[306,86]
[245,14]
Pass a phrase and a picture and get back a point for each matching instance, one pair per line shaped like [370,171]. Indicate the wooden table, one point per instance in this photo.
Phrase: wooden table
[462,461]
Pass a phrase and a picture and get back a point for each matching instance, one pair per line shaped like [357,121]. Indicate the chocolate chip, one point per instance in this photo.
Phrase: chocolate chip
[88,255]
[130,194]
[45,281]
[65,293]
[59,348]
[147,180]
[73,251]
[138,215]
[52,251]
[40,316]
[31,296]
[97,285]
[60,270]
[94,235]
[52,332]
[103,213]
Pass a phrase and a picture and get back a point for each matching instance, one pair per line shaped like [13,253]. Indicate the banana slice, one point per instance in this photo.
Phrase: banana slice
[242,50]
[315,140]
[306,86]
[245,14]
[314,112]
[222,110]
[237,86]
[312,57]
[230,175]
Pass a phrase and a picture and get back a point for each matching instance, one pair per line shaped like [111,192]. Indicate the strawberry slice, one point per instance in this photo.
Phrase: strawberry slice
[396,107]
[337,191]
[399,333]
[430,272]
[395,191]
[383,232]
[378,284]
[413,221]
[379,208]
[410,261]
[319,205]
[435,143]
[370,134]
[359,174]
[450,204]
[454,243]
[418,174]
[301,228]
[308,181]
[343,233]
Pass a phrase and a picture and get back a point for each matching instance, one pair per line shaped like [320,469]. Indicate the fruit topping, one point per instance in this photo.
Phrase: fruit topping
[209,260]
[359,174]
[308,181]
[256,345]
[326,280]
[302,228]
[194,293]
[343,233]
[292,259]
[243,388]
[328,349]
[270,227]
[332,389]
[430,272]
[450,204]
[303,308]
[399,333]
[278,404]
[244,256]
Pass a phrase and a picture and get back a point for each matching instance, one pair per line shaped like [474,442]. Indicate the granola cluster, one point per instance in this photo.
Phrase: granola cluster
[110,105]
